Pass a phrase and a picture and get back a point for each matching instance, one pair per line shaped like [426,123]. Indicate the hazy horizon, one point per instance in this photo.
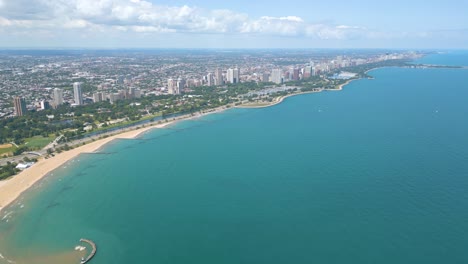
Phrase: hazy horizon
[117,24]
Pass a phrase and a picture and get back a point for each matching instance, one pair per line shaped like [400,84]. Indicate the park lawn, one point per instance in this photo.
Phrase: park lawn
[6,149]
[38,142]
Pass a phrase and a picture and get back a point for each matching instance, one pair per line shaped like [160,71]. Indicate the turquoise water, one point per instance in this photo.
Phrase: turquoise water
[376,173]
[451,58]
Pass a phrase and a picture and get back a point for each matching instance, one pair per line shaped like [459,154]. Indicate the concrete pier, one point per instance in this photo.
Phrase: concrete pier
[93,251]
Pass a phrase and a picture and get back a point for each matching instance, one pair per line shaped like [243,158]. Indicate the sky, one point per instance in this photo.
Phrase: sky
[398,24]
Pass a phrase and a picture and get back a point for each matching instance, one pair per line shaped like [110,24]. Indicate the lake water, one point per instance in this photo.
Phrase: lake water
[376,173]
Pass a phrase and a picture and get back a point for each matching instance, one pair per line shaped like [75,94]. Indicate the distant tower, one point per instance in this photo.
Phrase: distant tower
[180,85]
[172,87]
[236,75]
[230,75]
[295,75]
[58,97]
[219,77]
[20,106]
[45,105]
[210,79]
[78,94]
[276,76]
[98,97]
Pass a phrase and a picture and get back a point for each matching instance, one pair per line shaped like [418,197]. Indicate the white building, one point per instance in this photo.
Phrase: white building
[78,93]
[236,75]
[219,77]
[174,86]
[210,79]
[180,85]
[277,76]
[232,75]
[58,97]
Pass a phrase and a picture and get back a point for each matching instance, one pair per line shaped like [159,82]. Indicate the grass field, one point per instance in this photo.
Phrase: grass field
[39,142]
[6,149]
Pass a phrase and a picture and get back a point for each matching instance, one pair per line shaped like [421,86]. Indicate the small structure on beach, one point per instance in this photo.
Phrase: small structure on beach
[23,166]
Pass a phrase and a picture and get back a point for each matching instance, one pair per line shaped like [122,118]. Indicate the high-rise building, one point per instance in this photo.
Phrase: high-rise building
[230,75]
[114,97]
[172,87]
[20,106]
[307,72]
[45,105]
[295,74]
[219,77]
[210,79]
[277,76]
[265,77]
[58,97]
[236,75]
[78,93]
[97,97]
[180,85]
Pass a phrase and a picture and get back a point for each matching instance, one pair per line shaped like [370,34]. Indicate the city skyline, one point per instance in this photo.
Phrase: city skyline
[217,24]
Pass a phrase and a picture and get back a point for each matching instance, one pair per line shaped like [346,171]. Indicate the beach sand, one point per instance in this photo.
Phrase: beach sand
[12,188]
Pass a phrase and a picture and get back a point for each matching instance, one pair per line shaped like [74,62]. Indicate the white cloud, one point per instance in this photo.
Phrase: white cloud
[144,17]
[4,22]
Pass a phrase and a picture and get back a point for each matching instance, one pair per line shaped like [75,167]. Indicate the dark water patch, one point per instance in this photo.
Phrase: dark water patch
[90,166]
[52,205]
[66,188]
[81,173]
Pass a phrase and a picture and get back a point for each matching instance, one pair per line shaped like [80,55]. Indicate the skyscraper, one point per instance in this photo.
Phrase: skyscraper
[180,85]
[295,74]
[219,77]
[58,97]
[172,87]
[230,75]
[45,105]
[97,97]
[236,75]
[78,94]
[276,76]
[210,79]
[20,106]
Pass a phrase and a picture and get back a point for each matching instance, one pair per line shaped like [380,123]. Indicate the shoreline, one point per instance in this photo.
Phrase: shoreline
[280,99]
[11,189]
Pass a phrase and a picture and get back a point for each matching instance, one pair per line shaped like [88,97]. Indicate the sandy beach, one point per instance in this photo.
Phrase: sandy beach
[12,188]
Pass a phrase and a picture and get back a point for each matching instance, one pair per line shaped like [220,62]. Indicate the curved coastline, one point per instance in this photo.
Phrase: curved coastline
[11,189]
[280,99]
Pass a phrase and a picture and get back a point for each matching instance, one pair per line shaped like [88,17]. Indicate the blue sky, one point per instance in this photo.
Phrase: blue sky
[233,24]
